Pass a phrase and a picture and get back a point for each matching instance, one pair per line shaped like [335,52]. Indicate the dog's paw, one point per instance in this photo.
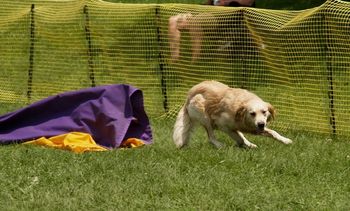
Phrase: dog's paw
[252,146]
[219,145]
[286,140]
[248,146]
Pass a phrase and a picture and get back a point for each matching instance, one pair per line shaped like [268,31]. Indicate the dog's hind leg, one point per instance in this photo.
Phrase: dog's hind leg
[196,110]
[240,139]
[211,136]
[275,135]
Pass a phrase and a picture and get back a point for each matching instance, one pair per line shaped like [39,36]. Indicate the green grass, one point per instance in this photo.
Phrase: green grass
[311,174]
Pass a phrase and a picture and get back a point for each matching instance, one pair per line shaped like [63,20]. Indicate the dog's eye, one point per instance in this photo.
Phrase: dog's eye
[252,114]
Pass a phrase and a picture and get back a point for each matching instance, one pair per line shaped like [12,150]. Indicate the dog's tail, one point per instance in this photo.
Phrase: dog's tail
[182,128]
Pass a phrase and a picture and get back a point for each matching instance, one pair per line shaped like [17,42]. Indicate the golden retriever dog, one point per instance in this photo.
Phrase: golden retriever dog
[234,111]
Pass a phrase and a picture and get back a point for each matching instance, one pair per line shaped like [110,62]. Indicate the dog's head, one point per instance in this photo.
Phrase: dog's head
[255,115]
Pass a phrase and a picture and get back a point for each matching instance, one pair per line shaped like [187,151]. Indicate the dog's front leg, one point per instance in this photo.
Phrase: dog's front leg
[240,139]
[273,134]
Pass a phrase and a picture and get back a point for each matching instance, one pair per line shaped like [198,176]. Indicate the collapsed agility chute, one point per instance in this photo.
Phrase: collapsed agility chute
[110,114]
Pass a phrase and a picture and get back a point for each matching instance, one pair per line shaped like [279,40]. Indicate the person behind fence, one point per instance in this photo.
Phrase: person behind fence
[194,25]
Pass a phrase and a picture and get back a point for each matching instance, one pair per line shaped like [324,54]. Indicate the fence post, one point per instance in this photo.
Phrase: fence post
[161,60]
[330,70]
[89,50]
[31,54]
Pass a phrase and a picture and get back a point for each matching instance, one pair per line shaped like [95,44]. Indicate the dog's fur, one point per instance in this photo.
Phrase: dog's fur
[235,111]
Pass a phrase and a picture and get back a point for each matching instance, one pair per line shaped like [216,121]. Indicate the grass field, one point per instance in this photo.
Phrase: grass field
[311,174]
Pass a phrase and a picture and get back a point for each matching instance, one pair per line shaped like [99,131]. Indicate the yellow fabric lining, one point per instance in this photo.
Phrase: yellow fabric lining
[132,143]
[79,142]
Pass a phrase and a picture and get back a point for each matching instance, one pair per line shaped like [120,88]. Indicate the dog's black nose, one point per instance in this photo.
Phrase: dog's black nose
[261,125]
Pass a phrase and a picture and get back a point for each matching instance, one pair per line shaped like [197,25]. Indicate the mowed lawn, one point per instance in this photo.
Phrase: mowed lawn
[311,174]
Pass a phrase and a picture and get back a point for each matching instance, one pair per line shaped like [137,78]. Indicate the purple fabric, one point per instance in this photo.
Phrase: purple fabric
[110,114]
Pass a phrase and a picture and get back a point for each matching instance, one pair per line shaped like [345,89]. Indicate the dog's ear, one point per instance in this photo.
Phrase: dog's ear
[272,112]
[240,113]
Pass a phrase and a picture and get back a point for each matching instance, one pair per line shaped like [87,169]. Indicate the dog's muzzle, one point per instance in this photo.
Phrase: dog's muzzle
[261,126]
